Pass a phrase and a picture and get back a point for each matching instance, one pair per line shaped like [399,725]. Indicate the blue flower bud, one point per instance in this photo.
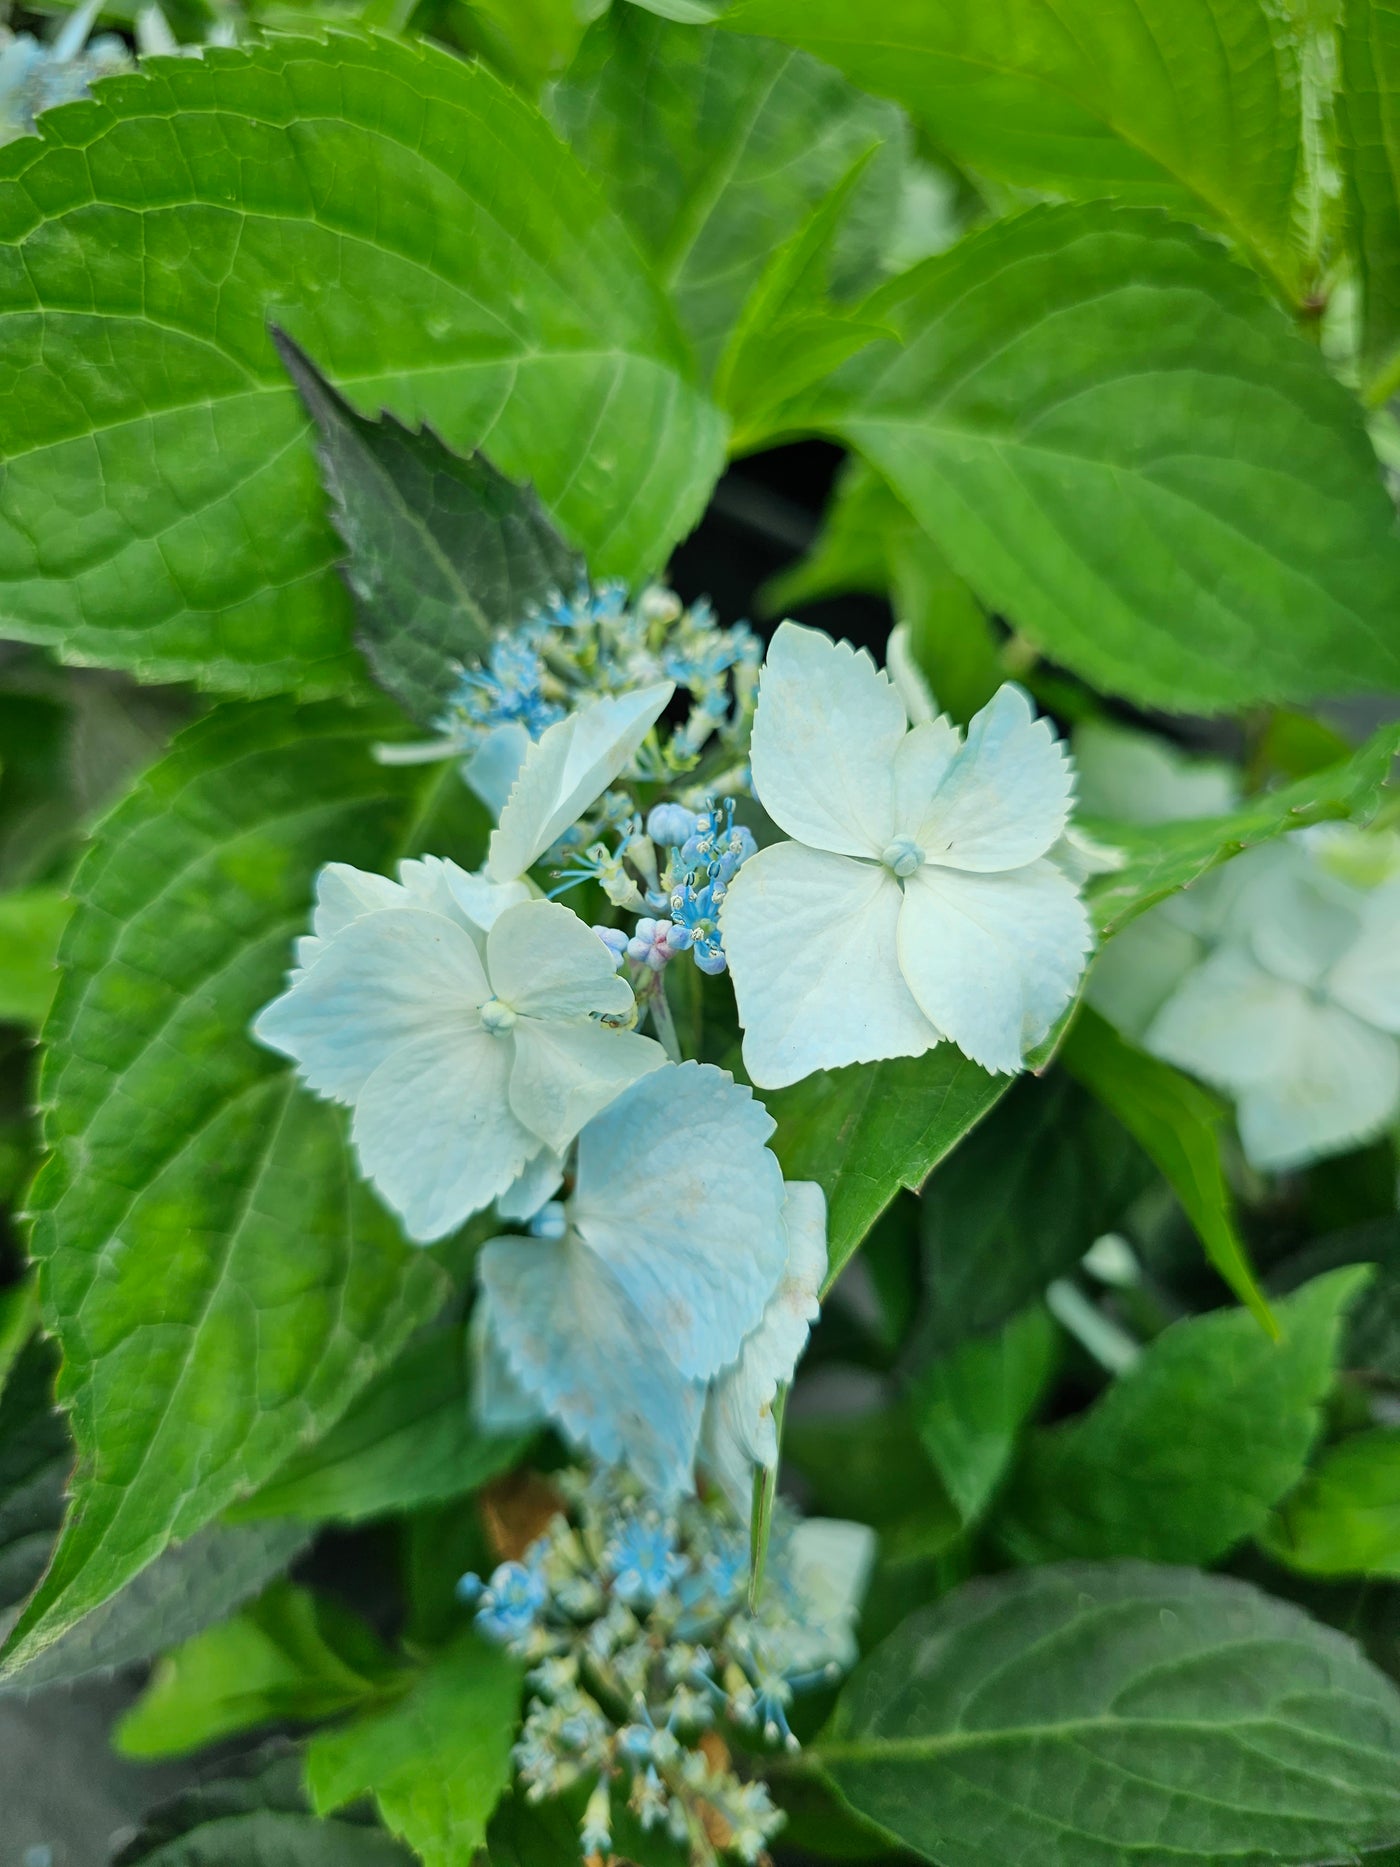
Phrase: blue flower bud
[670,824]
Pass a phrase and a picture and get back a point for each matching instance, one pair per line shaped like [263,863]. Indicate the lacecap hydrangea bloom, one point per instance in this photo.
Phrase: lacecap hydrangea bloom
[1275,978]
[916,901]
[640,1647]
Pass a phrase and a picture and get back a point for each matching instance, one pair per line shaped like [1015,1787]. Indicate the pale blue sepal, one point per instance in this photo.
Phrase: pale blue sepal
[678,1194]
[574,1343]
[536,1186]
[499,1403]
[382,980]
[494,768]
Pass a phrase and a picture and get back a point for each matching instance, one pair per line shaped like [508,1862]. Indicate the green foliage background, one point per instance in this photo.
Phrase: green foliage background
[1103,305]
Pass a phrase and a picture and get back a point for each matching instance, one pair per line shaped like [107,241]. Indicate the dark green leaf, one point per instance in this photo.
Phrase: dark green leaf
[199,1224]
[873,1467]
[1117,440]
[288,1657]
[31,923]
[546,1835]
[437,1762]
[182,1591]
[1186,104]
[418,230]
[409,1440]
[442,551]
[1186,1453]
[1019,1204]
[864,1132]
[1173,855]
[36,1457]
[871,541]
[1177,1124]
[717,149]
[1368,110]
[1089,1716]
[255,1821]
[1344,1519]
[970,1405]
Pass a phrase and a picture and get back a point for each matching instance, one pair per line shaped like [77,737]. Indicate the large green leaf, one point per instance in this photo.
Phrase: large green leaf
[180,1593]
[1092,1716]
[864,1132]
[1178,1125]
[716,149]
[35,1459]
[416,227]
[253,1821]
[1120,444]
[970,1405]
[437,1762]
[1344,1519]
[409,1440]
[31,921]
[442,550]
[1186,1453]
[1368,110]
[1186,104]
[289,1657]
[1019,1204]
[221,1284]
[1170,856]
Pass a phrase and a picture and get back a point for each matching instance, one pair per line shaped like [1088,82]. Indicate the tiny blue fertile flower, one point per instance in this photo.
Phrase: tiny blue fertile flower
[643,1561]
[510,1603]
[695,925]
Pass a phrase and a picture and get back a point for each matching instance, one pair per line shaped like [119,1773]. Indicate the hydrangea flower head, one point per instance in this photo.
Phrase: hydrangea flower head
[916,900]
[1288,1000]
[627,1679]
[674,1241]
[466,1054]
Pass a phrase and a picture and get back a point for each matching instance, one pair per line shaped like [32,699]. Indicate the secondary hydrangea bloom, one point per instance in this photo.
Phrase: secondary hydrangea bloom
[639,1643]
[467,1054]
[916,900]
[1279,983]
[645,1284]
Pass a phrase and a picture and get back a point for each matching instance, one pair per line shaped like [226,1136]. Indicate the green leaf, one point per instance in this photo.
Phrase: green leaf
[1185,1454]
[1171,856]
[1368,114]
[870,541]
[545,1834]
[182,1591]
[289,1657]
[1120,444]
[789,334]
[221,1284]
[252,1821]
[716,149]
[970,1405]
[442,551]
[1186,104]
[31,923]
[1088,1716]
[1178,1125]
[437,1762]
[19,1318]
[862,1133]
[408,1440]
[36,1457]
[874,1467]
[418,230]
[1019,1204]
[1344,1519]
